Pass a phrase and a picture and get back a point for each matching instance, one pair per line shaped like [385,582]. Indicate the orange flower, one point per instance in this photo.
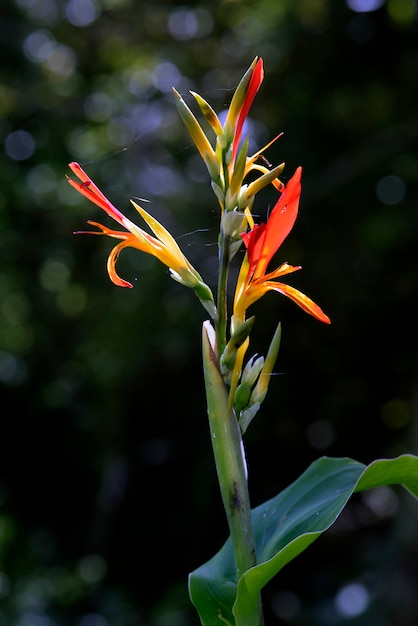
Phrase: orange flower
[163,245]
[262,242]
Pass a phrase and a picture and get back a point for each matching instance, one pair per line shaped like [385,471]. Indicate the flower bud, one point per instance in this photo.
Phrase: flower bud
[239,335]
[233,223]
[219,193]
[242,397]
[252,370]
[245,408]
[205,296]
[248,415]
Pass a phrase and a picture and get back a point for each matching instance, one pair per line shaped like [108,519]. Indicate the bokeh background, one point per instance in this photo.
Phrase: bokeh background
[108,496]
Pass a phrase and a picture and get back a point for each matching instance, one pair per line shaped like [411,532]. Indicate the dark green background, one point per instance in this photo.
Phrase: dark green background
[108,496]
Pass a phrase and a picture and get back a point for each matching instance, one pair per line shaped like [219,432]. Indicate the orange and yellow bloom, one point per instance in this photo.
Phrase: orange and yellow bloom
[262,242]
[163,245]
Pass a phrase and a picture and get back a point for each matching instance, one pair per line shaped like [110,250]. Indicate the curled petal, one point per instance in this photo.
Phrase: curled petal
[111,265]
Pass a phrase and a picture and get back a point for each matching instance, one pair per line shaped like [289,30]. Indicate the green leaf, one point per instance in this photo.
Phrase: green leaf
[284,526]
[401,471]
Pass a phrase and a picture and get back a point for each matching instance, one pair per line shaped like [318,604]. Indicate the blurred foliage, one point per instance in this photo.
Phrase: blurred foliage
[108,496]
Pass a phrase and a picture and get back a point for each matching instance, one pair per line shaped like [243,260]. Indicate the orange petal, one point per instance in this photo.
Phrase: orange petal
[117,234]
[111,265]
[297,296]
[281,220]
[282,270]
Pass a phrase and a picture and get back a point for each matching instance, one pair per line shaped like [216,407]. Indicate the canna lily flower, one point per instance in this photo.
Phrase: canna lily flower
[163,245]
[262,242]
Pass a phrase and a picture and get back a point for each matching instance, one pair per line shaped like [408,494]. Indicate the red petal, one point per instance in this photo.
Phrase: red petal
[253,86]
[88,189]
[281,220]
[254,242]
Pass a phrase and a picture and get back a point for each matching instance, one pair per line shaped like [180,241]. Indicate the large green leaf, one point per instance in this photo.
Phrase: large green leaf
[284,526]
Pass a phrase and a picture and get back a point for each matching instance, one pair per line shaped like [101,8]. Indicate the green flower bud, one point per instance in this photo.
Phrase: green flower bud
[219,193]
[252,370]
[247,416]
[233,223]
[205,296]
[230,200]
[239,335]
[242,397]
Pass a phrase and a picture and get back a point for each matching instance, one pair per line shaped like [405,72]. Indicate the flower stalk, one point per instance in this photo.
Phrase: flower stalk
[231,467]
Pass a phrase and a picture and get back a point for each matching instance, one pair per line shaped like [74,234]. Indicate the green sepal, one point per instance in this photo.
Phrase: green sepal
[239,168]
[247,416]
[204,293]
[239,335]
[234,246]
[219,193]
[242,397]
[260,390]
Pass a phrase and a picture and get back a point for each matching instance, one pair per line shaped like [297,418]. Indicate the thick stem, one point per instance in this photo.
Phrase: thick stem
[231,469]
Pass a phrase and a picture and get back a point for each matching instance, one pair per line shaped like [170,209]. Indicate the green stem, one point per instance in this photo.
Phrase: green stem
[231,469]
[222,292]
